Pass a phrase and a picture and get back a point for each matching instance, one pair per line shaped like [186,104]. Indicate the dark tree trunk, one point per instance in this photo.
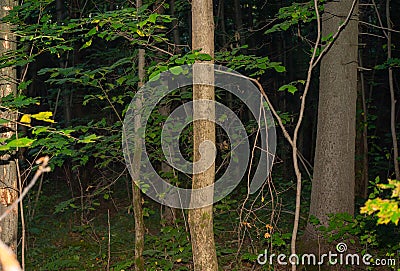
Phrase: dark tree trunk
[61,13]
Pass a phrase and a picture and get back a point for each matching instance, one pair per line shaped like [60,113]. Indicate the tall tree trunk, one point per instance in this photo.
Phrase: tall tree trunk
[175,25]
[8,167]
[361,166]
[61,13]
[238,22]
[221,23]
[201,219]
[334,177]
[392,97]
[168,214]
[137,196]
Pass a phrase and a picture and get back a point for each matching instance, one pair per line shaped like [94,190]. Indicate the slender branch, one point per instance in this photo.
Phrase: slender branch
[340,29]
[42,168]
[379,19]
[380,27]
[8,260]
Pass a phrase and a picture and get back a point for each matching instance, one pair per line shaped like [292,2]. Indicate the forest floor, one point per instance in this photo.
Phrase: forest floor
[60,236]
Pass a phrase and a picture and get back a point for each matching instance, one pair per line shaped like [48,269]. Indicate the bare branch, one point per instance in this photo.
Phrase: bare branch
[42,168]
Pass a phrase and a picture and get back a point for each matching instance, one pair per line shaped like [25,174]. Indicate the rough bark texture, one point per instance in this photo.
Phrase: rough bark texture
[334,177]
[8,170]
[201,219]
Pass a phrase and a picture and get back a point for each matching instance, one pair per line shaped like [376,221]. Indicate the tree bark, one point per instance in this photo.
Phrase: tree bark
[8,168]
[334,176]
[137,196]
[201,219]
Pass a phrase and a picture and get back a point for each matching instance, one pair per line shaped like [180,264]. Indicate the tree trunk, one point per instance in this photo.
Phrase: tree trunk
[8,169]
[61,12]
[238,23]
[334,177]
[175,25]
[137,196]
[392,96]
[221,24]
[361,166]
[201,219]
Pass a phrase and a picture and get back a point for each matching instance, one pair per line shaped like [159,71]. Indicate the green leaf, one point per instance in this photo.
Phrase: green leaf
[279,68]
[204,57]
[89,139]
[285,26]
[40,129]
[290,88]
[3,121]
[121,80]
[176,70]
[20,142]
[92,31]
[87,44]
[153,18]
[154,76]
[24,85]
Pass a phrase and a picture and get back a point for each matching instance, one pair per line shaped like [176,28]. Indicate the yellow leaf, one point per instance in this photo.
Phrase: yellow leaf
[44,116]
[140,33]
[267,235]
[26,118]
[179,260]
